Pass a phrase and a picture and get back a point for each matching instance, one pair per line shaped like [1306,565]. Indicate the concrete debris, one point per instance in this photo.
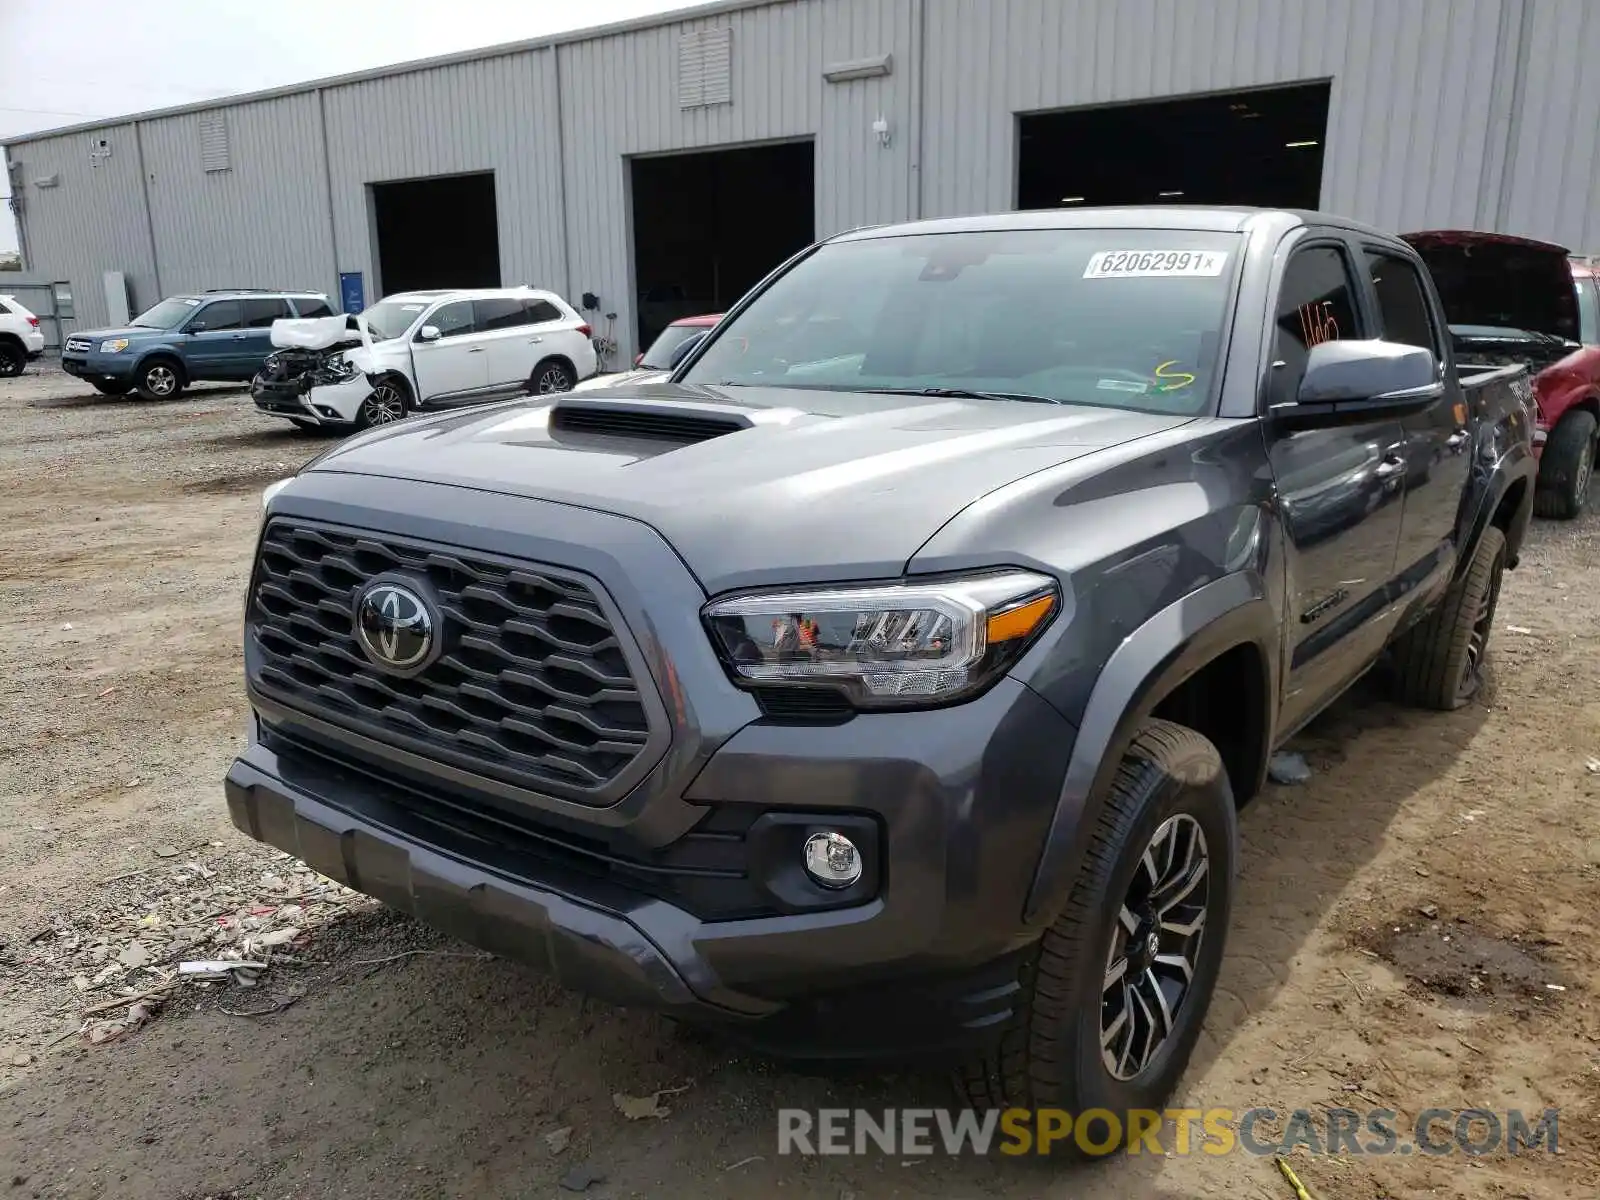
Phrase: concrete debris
[558,1139]
[1287,767]
[642,1108]
[580,1179]
[217,920]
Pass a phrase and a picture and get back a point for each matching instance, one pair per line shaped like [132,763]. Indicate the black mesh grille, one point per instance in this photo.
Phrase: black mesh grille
[624,422]
[531,687]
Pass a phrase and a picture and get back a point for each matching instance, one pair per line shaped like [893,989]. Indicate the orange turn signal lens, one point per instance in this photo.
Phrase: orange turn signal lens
[1019,622]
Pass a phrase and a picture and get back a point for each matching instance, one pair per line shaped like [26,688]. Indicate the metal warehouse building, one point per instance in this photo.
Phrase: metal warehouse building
[662,167]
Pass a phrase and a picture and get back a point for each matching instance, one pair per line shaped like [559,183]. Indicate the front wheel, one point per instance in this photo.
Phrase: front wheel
[550,376]
[1439,661]
[1115,994]
[1566,467]
[159,381]
[389,402]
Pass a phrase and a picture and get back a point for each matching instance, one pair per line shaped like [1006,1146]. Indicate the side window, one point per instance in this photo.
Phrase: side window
[219,314]
[260,314]
[498,313]
[540,311]
[1315,304]
[1402,303]
[313,308]
[452,319]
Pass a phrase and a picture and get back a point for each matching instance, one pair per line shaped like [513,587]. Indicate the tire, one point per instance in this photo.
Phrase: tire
[389,402]
[159,379]
[1170,785]
[552,375]
[111,389]
[1439,661]
[1566,467]
[13,358]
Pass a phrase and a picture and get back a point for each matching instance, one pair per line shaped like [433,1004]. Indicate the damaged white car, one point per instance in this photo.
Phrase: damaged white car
[423,351]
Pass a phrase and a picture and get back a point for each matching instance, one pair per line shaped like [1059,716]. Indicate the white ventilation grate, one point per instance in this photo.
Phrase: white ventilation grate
[214,143]
[705,67]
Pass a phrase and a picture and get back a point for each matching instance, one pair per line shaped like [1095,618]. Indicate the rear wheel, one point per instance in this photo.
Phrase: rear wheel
[550,376]
[388,402]
[1114,998]
[109,388]
[12,358]
[1439,662]
[159,380]
[1566,466]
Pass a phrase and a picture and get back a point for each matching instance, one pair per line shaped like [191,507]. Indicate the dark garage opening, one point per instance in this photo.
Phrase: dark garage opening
[1261,147]
[708,226]
[437,233]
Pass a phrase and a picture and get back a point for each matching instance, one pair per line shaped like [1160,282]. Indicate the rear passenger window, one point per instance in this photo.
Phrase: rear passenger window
[313,308]
[540,311]
[498,313]
[1402,304]
[452,319]
[260,314]
[1315,304]
[222,314]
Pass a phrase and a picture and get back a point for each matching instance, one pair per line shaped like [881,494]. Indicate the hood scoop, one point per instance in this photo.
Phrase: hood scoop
[650,420]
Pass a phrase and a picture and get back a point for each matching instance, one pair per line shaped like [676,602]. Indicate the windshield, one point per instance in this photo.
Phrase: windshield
[391,318]
[659,356]
[1127,318]
[169,314]
[1588,313]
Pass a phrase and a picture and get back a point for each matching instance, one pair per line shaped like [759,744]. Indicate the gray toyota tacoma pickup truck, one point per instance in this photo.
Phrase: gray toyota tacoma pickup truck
[888,680]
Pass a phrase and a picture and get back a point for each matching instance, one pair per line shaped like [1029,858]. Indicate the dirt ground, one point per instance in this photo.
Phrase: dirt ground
[1402,916]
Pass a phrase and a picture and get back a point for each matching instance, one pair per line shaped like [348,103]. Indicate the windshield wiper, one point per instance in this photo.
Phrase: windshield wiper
[955,393]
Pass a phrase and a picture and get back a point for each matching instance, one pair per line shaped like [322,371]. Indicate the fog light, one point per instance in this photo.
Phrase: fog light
[832,860]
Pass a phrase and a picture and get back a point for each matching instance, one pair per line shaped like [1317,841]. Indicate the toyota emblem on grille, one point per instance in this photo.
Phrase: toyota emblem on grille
[396,626]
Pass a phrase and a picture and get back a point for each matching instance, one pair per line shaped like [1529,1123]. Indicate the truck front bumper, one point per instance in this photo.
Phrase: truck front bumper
[927,965]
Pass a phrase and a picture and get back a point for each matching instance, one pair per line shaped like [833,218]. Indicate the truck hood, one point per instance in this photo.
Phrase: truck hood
[1493,280]
[751,485]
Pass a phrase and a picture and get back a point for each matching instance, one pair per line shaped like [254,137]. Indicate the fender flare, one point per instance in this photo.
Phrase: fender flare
[1517,463]
[161,352]
[1155,658]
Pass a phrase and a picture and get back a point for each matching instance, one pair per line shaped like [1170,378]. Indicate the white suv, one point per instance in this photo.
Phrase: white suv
[20,338]
[423,350]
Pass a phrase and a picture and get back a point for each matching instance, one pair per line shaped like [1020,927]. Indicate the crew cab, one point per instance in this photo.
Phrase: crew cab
[424,350]
[221,335]
[888,681]
[1515,300]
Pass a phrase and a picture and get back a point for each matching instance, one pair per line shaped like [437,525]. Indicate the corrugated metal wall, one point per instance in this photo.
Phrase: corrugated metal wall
[495,115]
[261,223]
[1410,102]
[92,221]
[1444,112]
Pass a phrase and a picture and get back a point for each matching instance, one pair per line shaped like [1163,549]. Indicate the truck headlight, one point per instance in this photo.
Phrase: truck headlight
[114,346]
[901,645]
[272,489]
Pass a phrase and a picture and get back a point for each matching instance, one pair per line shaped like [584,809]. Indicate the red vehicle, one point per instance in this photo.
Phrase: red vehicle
[1523,301]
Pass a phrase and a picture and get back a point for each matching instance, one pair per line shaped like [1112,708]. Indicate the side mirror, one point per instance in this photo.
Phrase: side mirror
[681,351]
[428,333]
[1349,382]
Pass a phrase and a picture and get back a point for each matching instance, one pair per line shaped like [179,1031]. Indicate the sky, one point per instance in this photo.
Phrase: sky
[67,61]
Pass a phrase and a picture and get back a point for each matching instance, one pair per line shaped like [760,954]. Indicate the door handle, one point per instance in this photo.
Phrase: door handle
[1389,468]
[239,337]
[476,350]
[1458,439]
[534,340]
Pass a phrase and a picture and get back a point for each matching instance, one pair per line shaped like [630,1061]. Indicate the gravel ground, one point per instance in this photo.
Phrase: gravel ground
[1401,920]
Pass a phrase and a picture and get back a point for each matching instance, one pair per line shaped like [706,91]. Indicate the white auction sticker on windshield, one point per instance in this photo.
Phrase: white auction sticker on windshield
[1147,264]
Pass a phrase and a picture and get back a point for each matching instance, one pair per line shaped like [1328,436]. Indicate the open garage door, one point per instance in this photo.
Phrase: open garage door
[436,233]
[1260,147]
[707,226]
